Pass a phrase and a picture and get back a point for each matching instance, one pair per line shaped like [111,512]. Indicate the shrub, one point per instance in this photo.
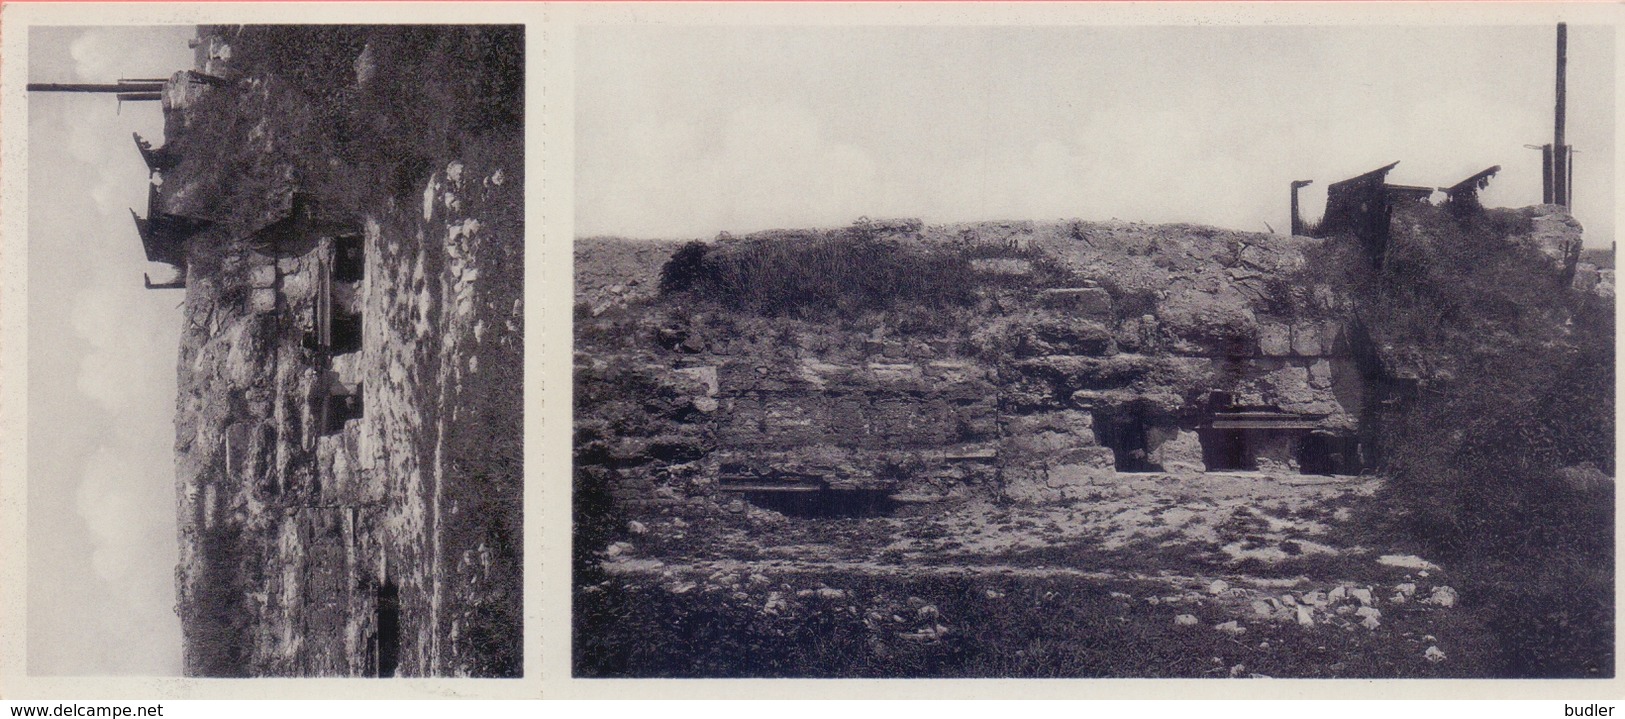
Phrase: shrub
[818,275]
[1519,384]
[685,269]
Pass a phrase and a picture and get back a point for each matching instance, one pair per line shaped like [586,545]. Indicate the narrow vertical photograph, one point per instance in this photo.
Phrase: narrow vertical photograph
[1121,351]
[275,357]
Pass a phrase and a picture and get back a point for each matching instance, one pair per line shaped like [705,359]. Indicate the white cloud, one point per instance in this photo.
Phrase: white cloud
[108,463]
[110,512]
[107,54]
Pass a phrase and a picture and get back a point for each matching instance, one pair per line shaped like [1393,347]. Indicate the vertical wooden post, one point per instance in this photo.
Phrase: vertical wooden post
[1560,150]
[1297,219]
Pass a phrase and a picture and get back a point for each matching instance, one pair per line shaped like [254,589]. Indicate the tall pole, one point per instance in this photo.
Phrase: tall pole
[1560,151]
[143,86]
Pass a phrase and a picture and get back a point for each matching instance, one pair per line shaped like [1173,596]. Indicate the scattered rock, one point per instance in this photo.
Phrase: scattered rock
[1231,627]
[1370,617]
[1406,561]
[1306,616]
[636,527]
[928,634]
[1443,596]
[1363,594]
[1219,586]
[1186,620]
[775,604]
[617,549]
[365,66]
[1434,654]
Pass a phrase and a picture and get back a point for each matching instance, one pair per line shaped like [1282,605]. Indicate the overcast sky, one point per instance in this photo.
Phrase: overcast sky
[688,131]
[101,367]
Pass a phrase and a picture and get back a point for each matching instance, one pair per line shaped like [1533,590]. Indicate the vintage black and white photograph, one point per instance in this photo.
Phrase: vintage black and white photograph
[275,350]
[1191,350]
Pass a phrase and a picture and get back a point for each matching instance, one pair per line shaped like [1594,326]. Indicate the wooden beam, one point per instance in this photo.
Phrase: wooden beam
[93,87]
[768,487]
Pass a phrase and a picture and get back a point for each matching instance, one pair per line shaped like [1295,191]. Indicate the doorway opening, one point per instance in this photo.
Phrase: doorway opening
[389,629]
[1226,450]
[1125,437]
[1320,453]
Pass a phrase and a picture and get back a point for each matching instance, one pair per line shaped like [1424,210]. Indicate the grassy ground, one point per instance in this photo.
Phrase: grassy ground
[871,626]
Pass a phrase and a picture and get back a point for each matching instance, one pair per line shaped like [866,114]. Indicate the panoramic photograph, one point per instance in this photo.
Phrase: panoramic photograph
[275,356]
[1093,352]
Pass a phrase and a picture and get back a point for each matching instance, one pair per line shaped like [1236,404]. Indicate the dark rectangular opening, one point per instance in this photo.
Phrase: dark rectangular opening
[1328,454]
[1225,450]
[335,334]
[827,503]
[389,629]
[346,333]
[335,409]
[1125,436]
[349,258]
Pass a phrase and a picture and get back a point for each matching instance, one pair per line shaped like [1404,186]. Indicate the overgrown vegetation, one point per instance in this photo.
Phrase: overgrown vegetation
[954,626]
[820,274]
[843,273]
[217,621]
[1490,452]
[435,92]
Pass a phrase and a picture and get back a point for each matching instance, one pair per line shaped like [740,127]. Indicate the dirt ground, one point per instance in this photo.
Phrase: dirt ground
[1245,561]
